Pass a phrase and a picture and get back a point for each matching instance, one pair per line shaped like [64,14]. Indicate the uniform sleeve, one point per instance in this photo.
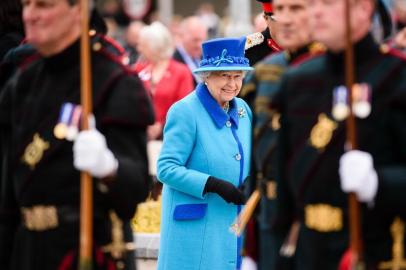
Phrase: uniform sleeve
[284,206]
[5,102]
[392,178]
[179,140]
[9,212]
[127,113]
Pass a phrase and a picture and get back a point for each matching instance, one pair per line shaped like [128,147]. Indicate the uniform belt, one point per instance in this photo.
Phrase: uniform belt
[323,218]
[46,217]
[40,217]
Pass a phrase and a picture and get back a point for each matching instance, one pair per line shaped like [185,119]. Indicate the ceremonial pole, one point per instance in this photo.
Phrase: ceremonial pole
[351,144]
[242,219]
[86,187]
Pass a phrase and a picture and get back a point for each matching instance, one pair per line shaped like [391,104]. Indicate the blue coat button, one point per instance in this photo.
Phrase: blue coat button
[228,124]
[238,157]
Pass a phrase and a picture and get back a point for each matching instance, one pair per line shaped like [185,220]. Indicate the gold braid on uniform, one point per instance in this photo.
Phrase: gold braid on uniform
[247,89]
[264,72]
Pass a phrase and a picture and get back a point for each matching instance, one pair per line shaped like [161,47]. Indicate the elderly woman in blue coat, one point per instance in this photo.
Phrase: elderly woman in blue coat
[203,163]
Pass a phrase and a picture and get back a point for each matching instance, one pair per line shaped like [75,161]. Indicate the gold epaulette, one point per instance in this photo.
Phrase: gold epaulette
[262,104]
[387,49]
[247,89]
[384,48]
[253,40]
[266,72]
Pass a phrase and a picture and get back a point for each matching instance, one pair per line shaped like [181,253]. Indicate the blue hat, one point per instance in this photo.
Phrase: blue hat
[223,54]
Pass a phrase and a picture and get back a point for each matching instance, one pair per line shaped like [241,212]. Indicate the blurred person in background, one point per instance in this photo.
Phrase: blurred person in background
[209,17]
[293,33]
[11,25]
[261,44]
[259,22]
[258,46]
[192,33]
[174,27]
[166,79]
[132,37]
[399,14]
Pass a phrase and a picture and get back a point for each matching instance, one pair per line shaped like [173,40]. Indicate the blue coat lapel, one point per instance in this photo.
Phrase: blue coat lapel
[219,116]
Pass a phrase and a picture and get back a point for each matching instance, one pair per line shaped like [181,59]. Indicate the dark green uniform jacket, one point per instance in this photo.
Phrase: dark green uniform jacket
[265,79]
[312,141]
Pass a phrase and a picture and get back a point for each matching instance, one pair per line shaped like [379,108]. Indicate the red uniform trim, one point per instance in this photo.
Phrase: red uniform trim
[66,262]
[267,7]
[117,59]
[113,43]
[29,59]
[273,45]
[397,53]
[305,57]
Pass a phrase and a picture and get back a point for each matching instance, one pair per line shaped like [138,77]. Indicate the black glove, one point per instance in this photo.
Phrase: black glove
[226,190]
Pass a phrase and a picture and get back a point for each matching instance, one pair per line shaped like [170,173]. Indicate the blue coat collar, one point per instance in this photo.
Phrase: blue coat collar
[219,116]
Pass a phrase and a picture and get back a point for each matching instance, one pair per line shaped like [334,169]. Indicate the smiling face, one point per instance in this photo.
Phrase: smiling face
[224,85]
[51,25]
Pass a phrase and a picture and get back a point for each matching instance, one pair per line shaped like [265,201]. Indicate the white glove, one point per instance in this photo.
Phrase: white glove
[358,175]
[90,153]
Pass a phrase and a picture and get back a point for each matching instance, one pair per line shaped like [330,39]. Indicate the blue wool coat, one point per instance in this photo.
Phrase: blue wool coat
[201,140]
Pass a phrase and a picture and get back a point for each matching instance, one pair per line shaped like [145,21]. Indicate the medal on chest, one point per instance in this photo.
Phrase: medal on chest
[67,126]
[361,101]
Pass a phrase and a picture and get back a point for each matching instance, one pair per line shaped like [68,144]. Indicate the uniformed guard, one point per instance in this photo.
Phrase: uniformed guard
[261,44]
[293,33]
[39,208]
[314,172]
[257,47]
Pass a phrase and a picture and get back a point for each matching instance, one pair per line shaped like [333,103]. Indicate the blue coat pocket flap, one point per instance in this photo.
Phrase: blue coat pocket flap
[190,211]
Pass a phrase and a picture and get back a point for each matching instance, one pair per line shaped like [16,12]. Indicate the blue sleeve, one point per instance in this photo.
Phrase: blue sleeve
[178,144]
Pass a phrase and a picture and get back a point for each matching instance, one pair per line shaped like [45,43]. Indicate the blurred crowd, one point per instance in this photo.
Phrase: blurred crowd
[151,46]
[185,34]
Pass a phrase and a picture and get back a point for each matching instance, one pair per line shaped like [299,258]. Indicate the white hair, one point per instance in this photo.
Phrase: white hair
[203,75]
[159,39]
